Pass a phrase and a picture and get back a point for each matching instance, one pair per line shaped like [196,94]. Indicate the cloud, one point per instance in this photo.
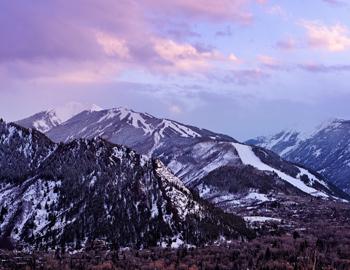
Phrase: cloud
[320,68]
[277,10]
[245,77]
[335,2]
[175,109]
[261,1]
[273,63]
[183,57]
[57,38]
[59,71]
[233,58]
[333,38]
[217,11]
[269,61]
[113,46]
[224,33]
[287,44]
[187,59]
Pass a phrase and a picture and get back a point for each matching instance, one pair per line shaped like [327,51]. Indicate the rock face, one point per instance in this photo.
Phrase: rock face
[195,155]
[65,195]
[326,150]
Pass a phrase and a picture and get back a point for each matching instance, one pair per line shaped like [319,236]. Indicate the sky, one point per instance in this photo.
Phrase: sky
[240,67]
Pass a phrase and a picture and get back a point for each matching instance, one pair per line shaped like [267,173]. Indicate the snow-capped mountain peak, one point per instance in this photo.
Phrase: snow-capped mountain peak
[46,120]
[147,123]
[137,120]
[95,108]
[140,131]
[329,124]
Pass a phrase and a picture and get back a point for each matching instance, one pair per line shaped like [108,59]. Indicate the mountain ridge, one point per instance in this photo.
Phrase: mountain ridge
[189,152]
[325,150]
[92,189]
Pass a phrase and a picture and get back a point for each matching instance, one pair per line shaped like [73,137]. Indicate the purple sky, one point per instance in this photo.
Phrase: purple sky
[242,67]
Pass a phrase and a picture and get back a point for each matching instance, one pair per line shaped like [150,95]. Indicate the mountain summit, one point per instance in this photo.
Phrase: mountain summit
[46,120]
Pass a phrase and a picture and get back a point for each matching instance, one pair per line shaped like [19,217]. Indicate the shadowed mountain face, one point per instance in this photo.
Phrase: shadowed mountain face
[194,154]
[326,150]
[65,195]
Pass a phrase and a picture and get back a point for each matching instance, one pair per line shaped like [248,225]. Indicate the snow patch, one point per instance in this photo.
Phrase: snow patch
[182,130]
[261,219]
[248,157]
[256,196]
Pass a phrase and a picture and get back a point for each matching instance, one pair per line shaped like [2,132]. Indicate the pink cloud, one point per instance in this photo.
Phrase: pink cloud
[183,57]
[113,46]
[234,58]
[333,38]
[84,36]
[272,63]
[268,60]
[261,1]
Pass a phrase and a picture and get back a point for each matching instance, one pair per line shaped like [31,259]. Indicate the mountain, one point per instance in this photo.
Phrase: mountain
[325,150]
[150,136]
[195,155]
[279,143]
[46,120]
[65,195]
[140,131]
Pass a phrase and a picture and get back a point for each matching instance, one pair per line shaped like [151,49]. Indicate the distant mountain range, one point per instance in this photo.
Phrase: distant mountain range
[325,150]
[64,195]
[81,181]
[195,155]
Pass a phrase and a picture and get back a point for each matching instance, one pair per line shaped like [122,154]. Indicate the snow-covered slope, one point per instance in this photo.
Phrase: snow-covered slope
[64,195]
[325,150]
[259,176]
[46,120]
[248,157]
